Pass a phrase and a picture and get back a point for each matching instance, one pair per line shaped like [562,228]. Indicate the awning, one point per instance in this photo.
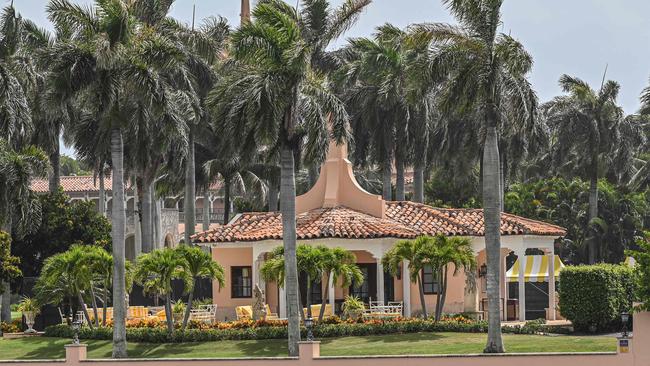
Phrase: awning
[537,268]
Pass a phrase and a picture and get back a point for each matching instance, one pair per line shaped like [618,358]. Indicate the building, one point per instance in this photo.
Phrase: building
[337,212]
[168,212]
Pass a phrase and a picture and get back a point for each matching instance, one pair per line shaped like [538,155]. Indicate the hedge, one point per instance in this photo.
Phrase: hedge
[160,335]
[593,297]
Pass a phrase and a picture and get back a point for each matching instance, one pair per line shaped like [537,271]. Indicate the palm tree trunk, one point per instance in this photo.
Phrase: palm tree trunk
[308,297]
[400,194]
[386,177]
[418,183]
[226,200]
[105,305]
[102,193]
[188,309]
[147,217]
[168,313]
[326,295]
[55,160]
[593,213]
[84,308]
[438,297]
[206,208]
[423,302]
[443,291]
[95,308]
[288,209]
[273,195]
[118,220]
[492,218]
[190,190]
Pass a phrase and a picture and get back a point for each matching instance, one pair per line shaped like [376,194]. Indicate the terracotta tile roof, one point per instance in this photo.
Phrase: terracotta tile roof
[81,183]
[403,220]
[338,222]
[432,221]
[197,228]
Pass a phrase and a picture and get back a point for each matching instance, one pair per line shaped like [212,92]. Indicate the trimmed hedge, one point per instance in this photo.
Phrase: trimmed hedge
[160,335]
[593,297]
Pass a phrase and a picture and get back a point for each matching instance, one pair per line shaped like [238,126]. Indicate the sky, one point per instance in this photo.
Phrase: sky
[575,37]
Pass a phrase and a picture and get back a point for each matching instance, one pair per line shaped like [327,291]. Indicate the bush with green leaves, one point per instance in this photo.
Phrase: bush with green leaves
[642,272]
[593,297]
[321,330]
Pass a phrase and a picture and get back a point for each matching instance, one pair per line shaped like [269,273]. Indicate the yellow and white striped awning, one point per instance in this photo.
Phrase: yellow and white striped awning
[537,268]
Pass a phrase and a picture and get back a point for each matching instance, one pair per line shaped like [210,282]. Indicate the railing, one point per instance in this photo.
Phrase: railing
[215,216]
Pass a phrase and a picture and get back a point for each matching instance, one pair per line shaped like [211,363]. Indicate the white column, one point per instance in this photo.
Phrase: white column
[331,293]
[521,255]
[506,286]
[282,301]
[406,289]
[380,281]
[551,283]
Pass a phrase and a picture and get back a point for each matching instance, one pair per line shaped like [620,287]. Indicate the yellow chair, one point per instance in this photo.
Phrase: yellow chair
[269,314]
[315,311]
[244,312]
[161,315]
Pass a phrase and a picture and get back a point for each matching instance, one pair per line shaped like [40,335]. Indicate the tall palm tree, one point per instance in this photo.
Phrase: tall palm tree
[272,97]
[486,72]
[120,64]
[198,265]
[19,207]
[586,126]
[155,272]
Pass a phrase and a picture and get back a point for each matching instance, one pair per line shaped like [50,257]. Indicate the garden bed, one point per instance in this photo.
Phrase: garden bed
[155,332]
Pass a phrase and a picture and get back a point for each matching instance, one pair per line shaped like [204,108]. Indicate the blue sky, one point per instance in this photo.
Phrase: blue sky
[576,37]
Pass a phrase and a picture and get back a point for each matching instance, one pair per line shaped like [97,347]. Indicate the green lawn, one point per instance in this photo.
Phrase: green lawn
[419,343]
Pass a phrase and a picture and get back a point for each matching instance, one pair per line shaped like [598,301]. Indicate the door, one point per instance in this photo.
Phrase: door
[368,288]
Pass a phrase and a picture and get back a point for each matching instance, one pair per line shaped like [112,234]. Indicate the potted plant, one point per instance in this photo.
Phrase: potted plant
[30,309]
[353,308]
[178,309]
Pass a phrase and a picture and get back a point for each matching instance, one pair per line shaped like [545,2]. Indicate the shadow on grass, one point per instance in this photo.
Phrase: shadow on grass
[48,348]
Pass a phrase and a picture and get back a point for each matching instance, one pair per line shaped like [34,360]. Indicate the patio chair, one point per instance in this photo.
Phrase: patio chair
[270,315]
[64,319]
[244,312]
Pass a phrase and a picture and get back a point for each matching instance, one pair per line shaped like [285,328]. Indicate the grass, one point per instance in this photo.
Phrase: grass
[418,343]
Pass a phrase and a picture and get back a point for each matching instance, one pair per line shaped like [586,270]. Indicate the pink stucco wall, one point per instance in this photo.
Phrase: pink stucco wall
[229,257]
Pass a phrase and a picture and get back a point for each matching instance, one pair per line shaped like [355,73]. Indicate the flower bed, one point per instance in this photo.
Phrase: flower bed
[333,327]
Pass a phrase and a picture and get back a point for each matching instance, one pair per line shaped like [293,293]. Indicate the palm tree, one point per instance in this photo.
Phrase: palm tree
[119,64]
[449,251]
[485,72]
[155,272]
[68,274]
[339,266]
[272,97]
[198,265]
[19,207]
[414,252]
[16,77]
[586,125]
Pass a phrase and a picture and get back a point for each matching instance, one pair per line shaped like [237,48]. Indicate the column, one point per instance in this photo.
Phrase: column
[521,255]
[551,283]
[282,301]
[331,293]
[406,289]
[506,286]
[380,281]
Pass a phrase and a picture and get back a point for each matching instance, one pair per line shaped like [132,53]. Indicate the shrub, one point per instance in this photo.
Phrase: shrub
[278,330]
[14,327]
[593,297]
[642,269]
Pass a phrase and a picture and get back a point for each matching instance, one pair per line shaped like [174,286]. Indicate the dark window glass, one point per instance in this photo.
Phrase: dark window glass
[242,282]
[430,283]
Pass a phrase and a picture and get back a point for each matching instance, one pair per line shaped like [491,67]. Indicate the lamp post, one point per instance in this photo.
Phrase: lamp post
[309,324]
[625,317]
[76,325]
